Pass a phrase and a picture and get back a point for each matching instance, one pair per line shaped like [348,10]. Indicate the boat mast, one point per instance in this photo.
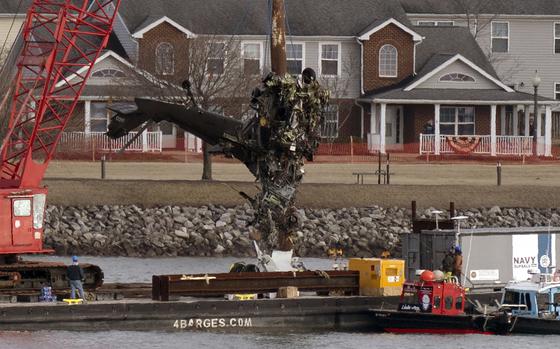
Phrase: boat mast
[278,38]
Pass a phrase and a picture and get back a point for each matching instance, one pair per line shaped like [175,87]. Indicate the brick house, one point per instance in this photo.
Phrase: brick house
[390,77]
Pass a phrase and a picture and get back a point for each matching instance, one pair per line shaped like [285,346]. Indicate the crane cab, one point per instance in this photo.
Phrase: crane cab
[22,221]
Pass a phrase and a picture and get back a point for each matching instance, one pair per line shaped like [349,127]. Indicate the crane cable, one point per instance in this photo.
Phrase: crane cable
[11,28]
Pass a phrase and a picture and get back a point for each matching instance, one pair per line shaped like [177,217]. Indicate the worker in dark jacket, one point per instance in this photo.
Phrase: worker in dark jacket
[448,260]
[458,262]
[75,275]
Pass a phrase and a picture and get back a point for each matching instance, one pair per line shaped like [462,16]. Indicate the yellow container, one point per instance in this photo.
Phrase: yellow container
[379,277]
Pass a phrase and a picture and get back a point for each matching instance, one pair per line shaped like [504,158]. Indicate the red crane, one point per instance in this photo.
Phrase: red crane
[61,38]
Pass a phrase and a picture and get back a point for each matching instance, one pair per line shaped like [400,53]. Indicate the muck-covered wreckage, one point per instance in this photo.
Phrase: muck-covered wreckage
[273,144]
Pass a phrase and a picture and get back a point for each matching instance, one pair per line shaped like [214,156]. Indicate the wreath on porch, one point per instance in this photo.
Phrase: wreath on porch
[463,144]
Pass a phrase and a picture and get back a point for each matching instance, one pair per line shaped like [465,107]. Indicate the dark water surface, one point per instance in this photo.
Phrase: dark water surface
[141,270]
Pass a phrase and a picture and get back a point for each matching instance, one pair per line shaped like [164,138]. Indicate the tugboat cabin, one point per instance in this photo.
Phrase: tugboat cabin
[435,297]
[538,297]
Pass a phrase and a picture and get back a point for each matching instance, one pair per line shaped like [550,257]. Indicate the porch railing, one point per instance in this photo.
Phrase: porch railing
[505,145]
[91,141]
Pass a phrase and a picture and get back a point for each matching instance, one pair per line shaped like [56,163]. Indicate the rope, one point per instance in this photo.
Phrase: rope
[11,27]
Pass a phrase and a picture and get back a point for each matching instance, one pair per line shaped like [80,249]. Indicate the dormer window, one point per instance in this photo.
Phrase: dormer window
[388,56]
[457,77]
[165,59]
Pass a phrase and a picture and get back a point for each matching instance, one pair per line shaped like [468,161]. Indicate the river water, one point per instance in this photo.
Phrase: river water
[141,270]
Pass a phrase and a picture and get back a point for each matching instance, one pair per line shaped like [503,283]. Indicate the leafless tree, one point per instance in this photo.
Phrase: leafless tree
[339,87]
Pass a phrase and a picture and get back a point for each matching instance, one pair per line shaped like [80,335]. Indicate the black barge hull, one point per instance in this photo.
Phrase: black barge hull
[300,314]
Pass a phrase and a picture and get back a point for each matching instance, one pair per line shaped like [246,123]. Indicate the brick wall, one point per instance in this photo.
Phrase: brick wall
[404,44]
[147,50]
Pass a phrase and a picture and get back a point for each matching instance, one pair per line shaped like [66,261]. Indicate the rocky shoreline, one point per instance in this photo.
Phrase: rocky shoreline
[219,231]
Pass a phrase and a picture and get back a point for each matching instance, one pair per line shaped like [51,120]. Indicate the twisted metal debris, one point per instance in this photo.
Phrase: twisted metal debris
[273,144]
[289,113]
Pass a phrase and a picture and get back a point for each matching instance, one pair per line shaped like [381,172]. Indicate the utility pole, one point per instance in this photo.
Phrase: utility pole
[278,38]
[279,67]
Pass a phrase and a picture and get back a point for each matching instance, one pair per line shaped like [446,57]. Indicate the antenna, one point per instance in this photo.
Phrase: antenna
[437,213]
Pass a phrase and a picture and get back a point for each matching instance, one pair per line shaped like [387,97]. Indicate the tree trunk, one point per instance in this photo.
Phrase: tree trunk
[207,163]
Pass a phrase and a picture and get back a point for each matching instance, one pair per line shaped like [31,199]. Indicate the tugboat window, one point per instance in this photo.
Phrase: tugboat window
[449,303]
[528,301]
[543,301]
[459,303]
[511,298]
[437,302]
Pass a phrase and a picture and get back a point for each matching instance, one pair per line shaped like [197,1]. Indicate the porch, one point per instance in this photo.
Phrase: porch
[98,141]
[482,145]
[450,125]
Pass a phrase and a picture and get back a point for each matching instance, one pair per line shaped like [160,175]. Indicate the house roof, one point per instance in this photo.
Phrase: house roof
[453,96]
[441,43]
[380,24]
[457,58]
[251,17]
[492,7]
[12,6]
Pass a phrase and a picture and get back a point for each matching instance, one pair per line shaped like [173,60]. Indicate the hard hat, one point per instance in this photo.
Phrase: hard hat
[74,258]
[458,249]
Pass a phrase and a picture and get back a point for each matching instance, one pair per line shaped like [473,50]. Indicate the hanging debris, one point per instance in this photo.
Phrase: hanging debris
[273,144]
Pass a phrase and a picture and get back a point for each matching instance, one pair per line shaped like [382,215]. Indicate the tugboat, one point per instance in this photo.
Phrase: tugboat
[529,307]
[435,305]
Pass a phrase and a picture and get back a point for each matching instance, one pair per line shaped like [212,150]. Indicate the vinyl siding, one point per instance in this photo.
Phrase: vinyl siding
[481,82]
[6,34]
[531,48]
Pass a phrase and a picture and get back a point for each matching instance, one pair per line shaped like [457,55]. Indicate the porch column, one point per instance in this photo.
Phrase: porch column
[502,120]
[493,130]
[537,123]
[516,120]
[436,129]
[87,116]
[527,134]
[548,131]
[382,128]
[372,118]
[145,141]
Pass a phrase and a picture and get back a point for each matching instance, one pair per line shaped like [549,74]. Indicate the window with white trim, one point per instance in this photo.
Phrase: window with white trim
[252,58]
[165,59]
[557,91]
[294,57]
[329,128]
[388,56]
[500,37]
[456,121]
[108,73]
[216,58]
[556,37]
[436,23]
[330,59]
[99,117]
[457,77]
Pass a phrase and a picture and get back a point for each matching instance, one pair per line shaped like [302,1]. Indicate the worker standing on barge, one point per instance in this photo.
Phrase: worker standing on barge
[458,262]
[75,275]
